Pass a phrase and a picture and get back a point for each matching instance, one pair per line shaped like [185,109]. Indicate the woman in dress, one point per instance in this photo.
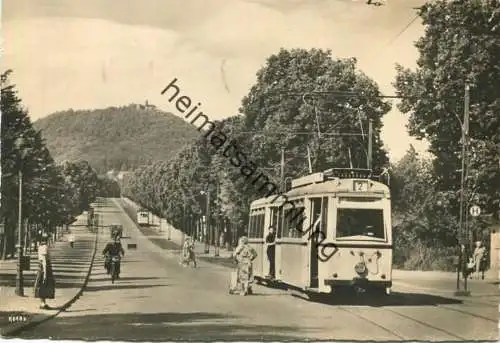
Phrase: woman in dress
[44,282]
[245,255]
[479,257]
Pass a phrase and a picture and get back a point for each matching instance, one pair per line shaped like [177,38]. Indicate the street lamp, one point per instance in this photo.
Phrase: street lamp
[207,220]
[462,230]
[19,143]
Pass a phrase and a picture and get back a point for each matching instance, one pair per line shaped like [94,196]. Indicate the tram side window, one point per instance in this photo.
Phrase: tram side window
[256,226]
[260,225]
[277,220]
[251,225]
[292,222]
[360,222]
[274,217]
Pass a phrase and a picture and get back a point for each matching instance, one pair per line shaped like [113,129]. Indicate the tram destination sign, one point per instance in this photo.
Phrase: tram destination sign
[360,185]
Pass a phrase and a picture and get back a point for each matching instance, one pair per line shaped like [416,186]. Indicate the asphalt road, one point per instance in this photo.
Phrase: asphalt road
[158,300]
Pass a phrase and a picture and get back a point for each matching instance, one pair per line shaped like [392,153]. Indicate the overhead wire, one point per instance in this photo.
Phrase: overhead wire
[407,26]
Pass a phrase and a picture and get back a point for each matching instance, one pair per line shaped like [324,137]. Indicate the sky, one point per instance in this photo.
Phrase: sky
[100,53]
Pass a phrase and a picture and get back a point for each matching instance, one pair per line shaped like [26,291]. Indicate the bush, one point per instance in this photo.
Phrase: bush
[422,257]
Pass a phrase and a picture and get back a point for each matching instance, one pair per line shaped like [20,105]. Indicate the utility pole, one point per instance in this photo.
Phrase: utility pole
[462,229]
[19,276]
[282,174]
[370,144]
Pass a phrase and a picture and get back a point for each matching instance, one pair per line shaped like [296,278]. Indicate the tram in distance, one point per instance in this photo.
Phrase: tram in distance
[143,217]
[333,230]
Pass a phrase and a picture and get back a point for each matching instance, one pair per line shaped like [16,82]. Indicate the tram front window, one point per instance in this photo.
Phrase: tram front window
[360,222]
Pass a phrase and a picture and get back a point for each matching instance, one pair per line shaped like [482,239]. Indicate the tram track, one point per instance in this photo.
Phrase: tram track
[425,324]
[420,322]
[467,313]
[365,317]
[392,332]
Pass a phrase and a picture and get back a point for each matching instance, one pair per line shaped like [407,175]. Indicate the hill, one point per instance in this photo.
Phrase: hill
[120,138]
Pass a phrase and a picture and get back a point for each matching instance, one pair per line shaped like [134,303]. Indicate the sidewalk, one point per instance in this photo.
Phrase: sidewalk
[490,275]
[71,267]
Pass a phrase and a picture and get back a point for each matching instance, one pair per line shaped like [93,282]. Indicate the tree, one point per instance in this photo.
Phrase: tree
[461,45]
[83,182]
[424,224]
[23,149]
[108,188]
[276,116]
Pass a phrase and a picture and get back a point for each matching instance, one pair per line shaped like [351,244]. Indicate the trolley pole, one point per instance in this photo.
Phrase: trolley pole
[462,229]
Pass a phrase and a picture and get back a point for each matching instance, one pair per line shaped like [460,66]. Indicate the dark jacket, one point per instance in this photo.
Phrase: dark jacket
[113,249]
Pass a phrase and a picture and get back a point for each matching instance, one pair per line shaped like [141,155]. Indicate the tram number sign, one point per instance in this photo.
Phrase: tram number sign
[475,211]
[360,185]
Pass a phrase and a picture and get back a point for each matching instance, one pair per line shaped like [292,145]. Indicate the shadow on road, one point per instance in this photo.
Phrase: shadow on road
[129,278]
[119,286]
[395,299]
[160,327]
[227,262]
[165,244]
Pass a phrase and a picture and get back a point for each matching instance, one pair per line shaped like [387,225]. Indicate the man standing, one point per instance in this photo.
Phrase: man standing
[271,244]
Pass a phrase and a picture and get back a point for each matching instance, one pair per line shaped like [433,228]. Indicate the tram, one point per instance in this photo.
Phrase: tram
[143,217]
[333,230]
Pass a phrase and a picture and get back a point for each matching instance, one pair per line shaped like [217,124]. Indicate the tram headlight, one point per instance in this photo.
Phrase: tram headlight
[360,268]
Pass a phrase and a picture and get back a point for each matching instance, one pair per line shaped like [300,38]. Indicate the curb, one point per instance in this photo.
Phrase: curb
[64,307]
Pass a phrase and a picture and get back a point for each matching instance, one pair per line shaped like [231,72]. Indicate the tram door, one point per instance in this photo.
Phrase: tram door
[277,223]
[319,208]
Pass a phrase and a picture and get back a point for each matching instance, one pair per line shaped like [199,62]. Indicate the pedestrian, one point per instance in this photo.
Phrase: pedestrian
[71,239]
[44,283]
[271,251]
[244,255]
[188,255]
[479,259]
[467,261]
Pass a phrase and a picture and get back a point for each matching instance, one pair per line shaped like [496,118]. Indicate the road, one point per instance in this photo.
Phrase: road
[158,300]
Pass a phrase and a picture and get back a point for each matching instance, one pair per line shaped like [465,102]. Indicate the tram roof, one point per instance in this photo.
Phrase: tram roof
[334,185]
